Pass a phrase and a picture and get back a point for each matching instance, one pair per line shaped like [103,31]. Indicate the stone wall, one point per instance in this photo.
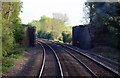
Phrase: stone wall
[81,37]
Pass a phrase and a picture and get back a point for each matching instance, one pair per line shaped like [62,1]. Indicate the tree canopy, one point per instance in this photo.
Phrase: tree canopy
[51,28]
[11,25]
[105,17]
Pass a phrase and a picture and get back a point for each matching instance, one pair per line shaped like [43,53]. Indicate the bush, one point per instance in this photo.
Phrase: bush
[18,33]
[7,37]
[45,35]
[67,37]
[8,60]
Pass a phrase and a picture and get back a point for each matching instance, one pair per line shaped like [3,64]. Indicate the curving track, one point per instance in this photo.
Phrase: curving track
[80,62]
[66,61]
[50,66]
[70,65]
[98,68]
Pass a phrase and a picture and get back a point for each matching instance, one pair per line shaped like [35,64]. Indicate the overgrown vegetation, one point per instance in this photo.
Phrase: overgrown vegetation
[14,54]
[67,37]
[11,28]
[104,18]
[104,26]
[12,33]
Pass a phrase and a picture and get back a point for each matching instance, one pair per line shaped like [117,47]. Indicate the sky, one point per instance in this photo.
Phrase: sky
[34,9]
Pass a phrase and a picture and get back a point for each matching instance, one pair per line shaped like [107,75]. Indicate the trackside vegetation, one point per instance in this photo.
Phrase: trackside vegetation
[12,33]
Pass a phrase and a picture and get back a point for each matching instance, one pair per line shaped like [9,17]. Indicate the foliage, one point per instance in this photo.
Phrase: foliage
[7,61]
[46,24]
[7,38]
[59,16]
[11,33]
[16,22]
[36,24]
[0,31]
[105,16]
[18,33]
[67,38]
[11,29]
[45,35]
[50,28]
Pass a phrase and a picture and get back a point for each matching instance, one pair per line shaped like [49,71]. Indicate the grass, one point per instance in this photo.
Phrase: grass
[15,54]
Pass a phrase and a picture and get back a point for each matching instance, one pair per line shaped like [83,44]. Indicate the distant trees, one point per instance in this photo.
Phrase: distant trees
[36,24]
[105,16]
[51,28]
[45,35]
[67,37]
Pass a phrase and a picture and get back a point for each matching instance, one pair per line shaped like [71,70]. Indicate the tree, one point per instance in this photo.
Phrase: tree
[51,28]
[59,22]
[52,25]
[60,16]
[67,37]
[10,25]
[37,24]
[105,17]
[46,23]
[45,35]
[0,29]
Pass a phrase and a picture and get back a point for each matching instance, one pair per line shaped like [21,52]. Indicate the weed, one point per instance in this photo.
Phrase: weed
[6,63]
[15,54]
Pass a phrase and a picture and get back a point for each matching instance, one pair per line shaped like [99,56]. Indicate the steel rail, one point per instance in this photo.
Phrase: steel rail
[79,61]
[58,61]
[100,63]
[43,62]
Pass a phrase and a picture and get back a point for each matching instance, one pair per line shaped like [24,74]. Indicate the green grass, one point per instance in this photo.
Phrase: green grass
[0,69]
[15,54]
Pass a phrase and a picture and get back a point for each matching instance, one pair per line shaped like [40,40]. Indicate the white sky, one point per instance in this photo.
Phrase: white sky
[34,9]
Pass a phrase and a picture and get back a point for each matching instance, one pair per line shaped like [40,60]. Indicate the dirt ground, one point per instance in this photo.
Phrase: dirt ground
[29,65]
[108,52]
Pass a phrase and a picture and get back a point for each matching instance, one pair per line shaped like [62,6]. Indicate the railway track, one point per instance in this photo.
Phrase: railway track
[111,65]
[71,61]
[51,66]
[80,62]
[88,64]
[95,66]
[72,66]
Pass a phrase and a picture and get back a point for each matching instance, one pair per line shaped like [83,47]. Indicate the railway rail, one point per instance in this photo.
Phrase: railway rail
[51,65]
[71,66]
[107,63]
[112,64]
[102,71]
[94,67]
[81,63]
